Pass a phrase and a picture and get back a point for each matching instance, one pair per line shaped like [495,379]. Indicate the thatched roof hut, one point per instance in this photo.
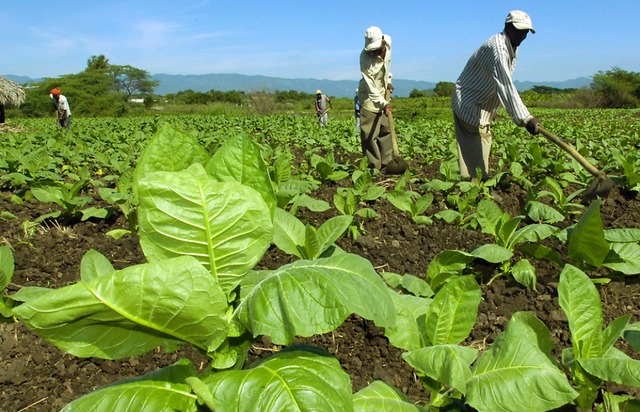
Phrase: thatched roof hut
[11,94]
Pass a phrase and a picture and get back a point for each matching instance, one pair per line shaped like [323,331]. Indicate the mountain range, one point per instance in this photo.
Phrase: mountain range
[173,83]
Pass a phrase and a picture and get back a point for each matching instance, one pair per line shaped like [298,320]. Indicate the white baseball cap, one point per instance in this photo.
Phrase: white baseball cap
[372,38]
[520,20]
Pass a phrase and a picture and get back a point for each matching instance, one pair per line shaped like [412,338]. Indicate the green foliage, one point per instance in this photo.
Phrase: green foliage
[199,237]
[509,236]
[305,242]
[444,89]
[202,229]
[415,93]
[414,204]
[348,200]
[592,359]
[212,96]
[102,89]
[132,80]
[618,88]
[7,268]
[590,246]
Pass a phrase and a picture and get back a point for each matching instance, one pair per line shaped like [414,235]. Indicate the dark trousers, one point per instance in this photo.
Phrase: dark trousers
[375,137]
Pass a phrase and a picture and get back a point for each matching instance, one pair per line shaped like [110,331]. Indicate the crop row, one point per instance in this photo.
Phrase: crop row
[209,195]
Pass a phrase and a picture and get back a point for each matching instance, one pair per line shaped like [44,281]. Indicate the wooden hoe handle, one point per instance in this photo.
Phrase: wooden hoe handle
[569,149]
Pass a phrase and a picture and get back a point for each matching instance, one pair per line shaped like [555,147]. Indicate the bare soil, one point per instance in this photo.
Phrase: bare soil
[36,376]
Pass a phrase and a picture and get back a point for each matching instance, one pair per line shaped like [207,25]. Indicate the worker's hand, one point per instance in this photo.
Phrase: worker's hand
[532,125]
[390,87]
[388,109]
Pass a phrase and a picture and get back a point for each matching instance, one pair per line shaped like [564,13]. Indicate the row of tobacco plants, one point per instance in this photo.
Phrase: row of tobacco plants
[208,196]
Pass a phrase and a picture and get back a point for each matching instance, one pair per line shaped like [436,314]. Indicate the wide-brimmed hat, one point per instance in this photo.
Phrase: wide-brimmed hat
[373,38]
[520,20]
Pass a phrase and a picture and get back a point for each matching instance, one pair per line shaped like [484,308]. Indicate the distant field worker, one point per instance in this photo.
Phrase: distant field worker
[375,134]
[63,111]
[323,104]
[483,86]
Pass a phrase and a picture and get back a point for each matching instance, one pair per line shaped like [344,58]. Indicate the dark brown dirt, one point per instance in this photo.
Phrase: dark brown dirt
[36,376]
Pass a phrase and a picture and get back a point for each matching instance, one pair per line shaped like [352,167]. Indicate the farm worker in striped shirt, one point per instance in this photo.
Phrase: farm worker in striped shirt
[483,86]
[322,101]
[375,135]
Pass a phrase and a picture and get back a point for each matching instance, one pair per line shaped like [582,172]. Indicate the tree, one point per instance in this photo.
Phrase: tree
[547,90]
[415,93]
[618,88]
[444,89]
[132,80]
[97,63]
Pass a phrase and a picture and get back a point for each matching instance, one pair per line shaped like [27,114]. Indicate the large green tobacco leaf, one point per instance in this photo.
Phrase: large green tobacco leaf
[516,373]
[379,396]
[239,160]
[7,267]
[524,273]
[532,233]
[624,258]
[587,242]
[288,233]
[447,364]
[580,301]
[615,366]
[632,336]
[161,391]
[622,235]
[492,253]
[226,226]
[131,311]
[446,264]
[170,150]
[408,333]
[93,265]
[294,380]
[453,311]
[305,298]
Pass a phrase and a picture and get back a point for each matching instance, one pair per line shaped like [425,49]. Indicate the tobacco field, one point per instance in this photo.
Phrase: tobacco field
[225,263]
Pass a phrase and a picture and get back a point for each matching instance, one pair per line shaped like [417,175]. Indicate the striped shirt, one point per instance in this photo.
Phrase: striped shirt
[486,83]
[375,78]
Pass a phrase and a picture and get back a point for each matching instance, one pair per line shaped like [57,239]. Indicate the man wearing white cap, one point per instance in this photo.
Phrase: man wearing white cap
[375,134]
[484,85]
[323,104]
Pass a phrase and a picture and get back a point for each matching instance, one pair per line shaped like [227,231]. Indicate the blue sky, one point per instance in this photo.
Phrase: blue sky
[301,39]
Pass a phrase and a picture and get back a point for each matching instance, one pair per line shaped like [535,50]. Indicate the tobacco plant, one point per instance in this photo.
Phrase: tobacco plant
[7,267]
[414,204]
[203,226]
[590,246]
[563,205]
[509,236]
[305,241]
[593,359]
[517,372]
[351,201]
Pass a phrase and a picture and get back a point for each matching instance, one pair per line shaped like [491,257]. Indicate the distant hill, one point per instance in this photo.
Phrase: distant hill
[173,83]
[567,84]
[20,79]
[170,83]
